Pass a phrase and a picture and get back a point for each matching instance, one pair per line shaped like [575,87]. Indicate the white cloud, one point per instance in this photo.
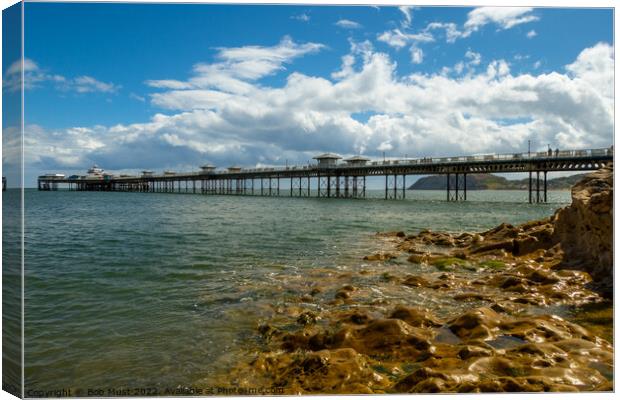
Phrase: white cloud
[385,146]
[451,31]
[348,24]
[397,39]
[137,97]
[347,67]
[417,55]
[592,67]
[473,57]
[407,12]
[168,84]
[301,17]
[236,68]
[498,68]
[536,64]
[35,77]
[531,34]
[86,84]
[503,17]
[307,114]
[468,65]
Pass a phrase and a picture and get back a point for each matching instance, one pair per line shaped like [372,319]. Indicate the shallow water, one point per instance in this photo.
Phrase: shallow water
[131,289]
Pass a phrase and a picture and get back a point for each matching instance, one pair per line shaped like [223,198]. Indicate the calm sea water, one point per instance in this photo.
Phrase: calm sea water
[131,289]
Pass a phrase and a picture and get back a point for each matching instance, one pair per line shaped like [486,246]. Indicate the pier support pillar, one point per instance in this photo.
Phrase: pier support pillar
[545,180]
[529,187]
[460,192]
[386,187]
[538,187]
[464,186]
[329,186]
[364,187]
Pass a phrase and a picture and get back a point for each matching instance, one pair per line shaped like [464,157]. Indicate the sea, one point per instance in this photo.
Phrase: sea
[128,290]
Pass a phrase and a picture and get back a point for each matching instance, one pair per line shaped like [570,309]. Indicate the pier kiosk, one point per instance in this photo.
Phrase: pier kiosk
[357,161]
[327,160]
[207,168]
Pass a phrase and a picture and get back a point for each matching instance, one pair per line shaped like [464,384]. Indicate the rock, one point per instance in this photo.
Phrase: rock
[411,382]
[357,318]
[324,371]
[380,257]
[476,324]
[418,258]
[266,330]
[384,337]
[471,297]
[399,234]
[345,292]
[416,317]
[525,244]
[415,281]
[387,277]
[307,318]
[585,228]
[474,351]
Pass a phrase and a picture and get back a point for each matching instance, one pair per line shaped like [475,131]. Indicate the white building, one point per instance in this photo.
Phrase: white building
[327,160]
[357,160]
[207,168]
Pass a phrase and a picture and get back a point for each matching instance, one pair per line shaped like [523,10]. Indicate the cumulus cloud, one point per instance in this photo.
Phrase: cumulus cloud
[531,34]
[490,110]
[35,77]
[348,24]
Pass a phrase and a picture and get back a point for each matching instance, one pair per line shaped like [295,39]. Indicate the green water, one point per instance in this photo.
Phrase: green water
[133,289]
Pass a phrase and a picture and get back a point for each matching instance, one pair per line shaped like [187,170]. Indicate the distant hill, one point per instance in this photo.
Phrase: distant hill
[491,182]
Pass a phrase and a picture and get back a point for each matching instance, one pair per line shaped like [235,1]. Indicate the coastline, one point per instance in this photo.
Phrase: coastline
[511,309]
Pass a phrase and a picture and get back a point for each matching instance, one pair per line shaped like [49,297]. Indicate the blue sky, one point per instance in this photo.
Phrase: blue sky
[172,86]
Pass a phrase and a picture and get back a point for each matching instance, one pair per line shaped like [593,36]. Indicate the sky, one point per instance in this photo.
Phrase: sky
[174,86]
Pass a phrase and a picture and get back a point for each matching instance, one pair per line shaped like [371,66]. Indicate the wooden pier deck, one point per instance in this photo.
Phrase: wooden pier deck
[328,178]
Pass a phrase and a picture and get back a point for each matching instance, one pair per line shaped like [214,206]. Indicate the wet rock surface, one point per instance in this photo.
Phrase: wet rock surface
[512,309]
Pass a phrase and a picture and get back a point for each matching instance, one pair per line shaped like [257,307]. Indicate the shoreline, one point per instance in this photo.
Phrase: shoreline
[482,316]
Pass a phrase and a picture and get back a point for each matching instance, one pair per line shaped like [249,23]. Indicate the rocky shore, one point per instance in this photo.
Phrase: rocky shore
[515,308]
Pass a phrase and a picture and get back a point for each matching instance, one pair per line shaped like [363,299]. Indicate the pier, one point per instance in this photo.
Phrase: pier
[332,177]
